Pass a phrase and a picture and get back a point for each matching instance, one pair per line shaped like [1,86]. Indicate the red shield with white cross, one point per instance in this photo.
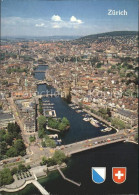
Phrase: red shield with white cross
[119,174]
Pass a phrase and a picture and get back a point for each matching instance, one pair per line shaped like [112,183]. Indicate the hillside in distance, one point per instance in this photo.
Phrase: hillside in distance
[41,38]
[108,34]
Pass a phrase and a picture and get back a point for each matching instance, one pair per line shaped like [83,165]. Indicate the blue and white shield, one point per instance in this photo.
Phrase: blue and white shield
[98,174]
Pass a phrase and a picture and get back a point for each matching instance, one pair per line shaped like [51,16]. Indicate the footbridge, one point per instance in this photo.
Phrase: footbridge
[40,187]
[39,71]
[41,82]
[47,95]
[93,143]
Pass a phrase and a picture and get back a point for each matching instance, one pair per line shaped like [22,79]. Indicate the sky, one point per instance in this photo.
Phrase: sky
[66,17]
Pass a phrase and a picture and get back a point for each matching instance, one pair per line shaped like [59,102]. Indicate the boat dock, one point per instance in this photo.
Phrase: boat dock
[65,178]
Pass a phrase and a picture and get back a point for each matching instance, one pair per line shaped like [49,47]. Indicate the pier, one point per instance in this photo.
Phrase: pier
[65,178]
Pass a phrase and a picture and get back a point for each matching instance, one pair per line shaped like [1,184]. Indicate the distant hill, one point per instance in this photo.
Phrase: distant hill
[108,34]
[44,38]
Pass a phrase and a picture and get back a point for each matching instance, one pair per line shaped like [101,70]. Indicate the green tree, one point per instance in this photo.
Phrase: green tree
[11,152]
[59,157]
[50,143]
[14,129]
[41,133]
[5,177]
[53,123]
[32,138]
[22,167]
[43,144]
[40,106]
[41,121]
[65,121]
[11,127]
[50,162]
[99,65]
[9,138]
[3,147]
[44,161]
[20,147]
[28,167]
[118,123]
[109,112]
[2,135]
[62,126]
[14,171]
[58,124]
[103,110]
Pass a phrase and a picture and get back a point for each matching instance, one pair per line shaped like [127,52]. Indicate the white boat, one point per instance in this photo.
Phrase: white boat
[78,111]
[106,129]
[93,122]
[91,118]
[102,130]
[109,129]
[86,119]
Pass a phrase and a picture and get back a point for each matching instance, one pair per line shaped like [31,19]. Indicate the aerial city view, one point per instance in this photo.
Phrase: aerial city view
[69,97]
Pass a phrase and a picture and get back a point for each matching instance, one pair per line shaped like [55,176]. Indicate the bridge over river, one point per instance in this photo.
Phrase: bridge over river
[39,71]
[93,143]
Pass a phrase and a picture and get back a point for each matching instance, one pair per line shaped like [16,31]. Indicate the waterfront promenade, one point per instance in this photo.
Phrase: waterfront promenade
[37,172]
[20,184]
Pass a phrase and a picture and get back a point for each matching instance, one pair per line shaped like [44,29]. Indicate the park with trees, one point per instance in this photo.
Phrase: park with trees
[58,158]
[11,143]
[47,142]
[6,175]
[59,124]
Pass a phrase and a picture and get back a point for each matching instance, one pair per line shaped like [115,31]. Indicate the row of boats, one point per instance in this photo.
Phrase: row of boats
[87,117]
[90,119]
[73,106]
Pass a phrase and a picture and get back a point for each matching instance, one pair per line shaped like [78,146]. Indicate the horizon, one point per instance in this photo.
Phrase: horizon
[66,18]
[29,36]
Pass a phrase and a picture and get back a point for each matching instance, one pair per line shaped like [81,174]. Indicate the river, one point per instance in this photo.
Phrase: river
[79,166]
